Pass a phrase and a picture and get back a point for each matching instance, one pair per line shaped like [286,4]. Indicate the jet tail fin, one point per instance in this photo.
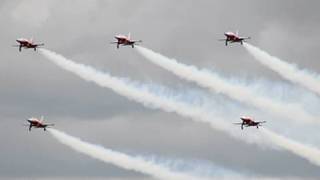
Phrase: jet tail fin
[41,118]
[129,35]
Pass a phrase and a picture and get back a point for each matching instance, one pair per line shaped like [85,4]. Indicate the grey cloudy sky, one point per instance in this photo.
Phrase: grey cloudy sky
[186,30]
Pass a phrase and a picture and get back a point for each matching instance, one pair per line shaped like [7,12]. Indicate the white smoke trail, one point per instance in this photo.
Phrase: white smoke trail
[117,158]
[291,72]
[218,84]
[142,95]
[132,91]
[311,153]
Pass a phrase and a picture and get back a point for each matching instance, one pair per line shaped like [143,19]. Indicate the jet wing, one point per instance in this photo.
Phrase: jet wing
[245,38]
[49,124]
[135,41]
[42,44]
[238,123]
[261,122]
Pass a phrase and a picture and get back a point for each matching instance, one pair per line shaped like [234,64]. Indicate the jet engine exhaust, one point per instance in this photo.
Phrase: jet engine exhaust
[235,91]
[288,71]
[119,159]
[141,94]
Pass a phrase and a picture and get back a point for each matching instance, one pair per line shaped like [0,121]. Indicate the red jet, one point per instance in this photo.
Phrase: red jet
[248,121]
[37,123]
[125,40]
[233,37]
[25,43]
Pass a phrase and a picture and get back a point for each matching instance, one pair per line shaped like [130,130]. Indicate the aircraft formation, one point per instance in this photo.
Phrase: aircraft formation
[124,40]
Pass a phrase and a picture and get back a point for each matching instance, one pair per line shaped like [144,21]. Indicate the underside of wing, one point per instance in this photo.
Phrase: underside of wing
[243,38]
[136,41]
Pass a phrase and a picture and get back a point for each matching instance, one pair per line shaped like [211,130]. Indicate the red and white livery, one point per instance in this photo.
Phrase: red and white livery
[37,123]
[233,37]
[125,40]
[248,121]
[27,44]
